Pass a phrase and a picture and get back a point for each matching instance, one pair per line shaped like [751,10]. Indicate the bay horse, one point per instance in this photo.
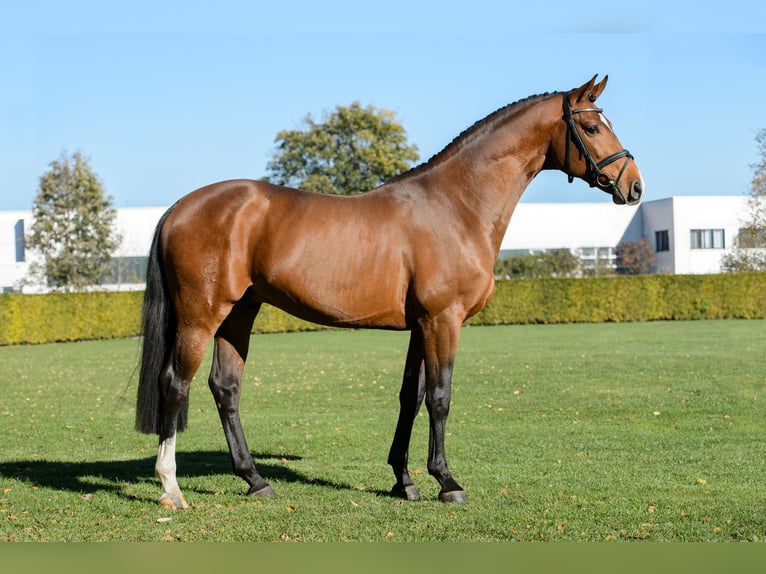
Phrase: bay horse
[416,253]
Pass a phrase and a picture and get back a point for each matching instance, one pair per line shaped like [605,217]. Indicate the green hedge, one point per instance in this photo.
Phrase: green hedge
[68,317]
[100,315]
[618,299]
[60,317]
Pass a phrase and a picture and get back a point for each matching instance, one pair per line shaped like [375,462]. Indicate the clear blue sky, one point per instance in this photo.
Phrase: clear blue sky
[164,97]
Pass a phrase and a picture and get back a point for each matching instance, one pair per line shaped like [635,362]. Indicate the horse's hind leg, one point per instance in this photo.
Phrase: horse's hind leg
[410,399]
[175,381]
[231,346]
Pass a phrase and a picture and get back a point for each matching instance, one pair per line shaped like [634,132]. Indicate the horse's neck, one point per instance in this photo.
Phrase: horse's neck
[488,174]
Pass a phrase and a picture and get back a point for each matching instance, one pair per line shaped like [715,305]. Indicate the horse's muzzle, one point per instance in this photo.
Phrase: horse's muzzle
[634,195]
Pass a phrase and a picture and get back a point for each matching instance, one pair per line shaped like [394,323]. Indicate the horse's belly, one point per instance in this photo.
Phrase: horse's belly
[336,294]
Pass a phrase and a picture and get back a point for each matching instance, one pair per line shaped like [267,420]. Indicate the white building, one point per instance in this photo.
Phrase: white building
[134,224]
[690,234]
[13,258]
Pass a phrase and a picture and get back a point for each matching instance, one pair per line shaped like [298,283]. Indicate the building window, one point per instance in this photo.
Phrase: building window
[597,260]
[126,270]
[707,239]
[661,241]
[18,231]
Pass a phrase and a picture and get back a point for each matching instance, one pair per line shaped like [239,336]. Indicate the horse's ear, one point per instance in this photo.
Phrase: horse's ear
[597,89]
[589,89]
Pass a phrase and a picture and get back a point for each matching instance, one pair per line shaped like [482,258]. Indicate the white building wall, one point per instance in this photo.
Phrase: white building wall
[136,227]
[134,224]
[537,226]
[679,216]
[705,213]
[658,216]
[11,270]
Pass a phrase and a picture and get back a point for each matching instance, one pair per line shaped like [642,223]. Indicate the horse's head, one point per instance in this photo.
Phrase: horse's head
[590,149]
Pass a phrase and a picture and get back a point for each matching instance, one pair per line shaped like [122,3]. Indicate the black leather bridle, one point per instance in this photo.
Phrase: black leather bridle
[595,176]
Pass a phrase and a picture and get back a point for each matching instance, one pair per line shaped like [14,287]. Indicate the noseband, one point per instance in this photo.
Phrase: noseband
[596,177]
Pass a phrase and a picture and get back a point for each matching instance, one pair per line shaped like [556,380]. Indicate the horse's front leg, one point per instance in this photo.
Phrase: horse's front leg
[410,399]
[441,338]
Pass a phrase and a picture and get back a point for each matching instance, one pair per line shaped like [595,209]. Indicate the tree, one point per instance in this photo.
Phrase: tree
[635,257]
[354,149]
[749,252]
[73,226]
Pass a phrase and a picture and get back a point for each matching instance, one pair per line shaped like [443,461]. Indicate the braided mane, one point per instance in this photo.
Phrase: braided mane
[498,116]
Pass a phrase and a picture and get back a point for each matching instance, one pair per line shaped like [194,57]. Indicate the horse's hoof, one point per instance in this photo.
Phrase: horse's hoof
[409,492]
[457,496]
[172,501]
[264,492]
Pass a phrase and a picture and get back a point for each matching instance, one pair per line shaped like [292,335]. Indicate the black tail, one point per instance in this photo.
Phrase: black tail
[158,330]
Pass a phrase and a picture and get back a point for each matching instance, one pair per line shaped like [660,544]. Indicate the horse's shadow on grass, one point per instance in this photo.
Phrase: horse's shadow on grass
[117,476]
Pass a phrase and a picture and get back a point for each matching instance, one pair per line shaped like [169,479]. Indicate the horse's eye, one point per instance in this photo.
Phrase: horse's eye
[592,130]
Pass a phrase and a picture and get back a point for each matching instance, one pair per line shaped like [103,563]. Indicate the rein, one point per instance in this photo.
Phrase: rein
[598,178]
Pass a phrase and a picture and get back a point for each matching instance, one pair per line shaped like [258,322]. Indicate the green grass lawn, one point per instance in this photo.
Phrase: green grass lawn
[597,432]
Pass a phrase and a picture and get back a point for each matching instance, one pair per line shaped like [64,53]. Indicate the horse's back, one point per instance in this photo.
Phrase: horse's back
[328,259]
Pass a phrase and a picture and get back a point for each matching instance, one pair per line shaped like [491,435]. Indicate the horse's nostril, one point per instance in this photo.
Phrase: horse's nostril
[636,190]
